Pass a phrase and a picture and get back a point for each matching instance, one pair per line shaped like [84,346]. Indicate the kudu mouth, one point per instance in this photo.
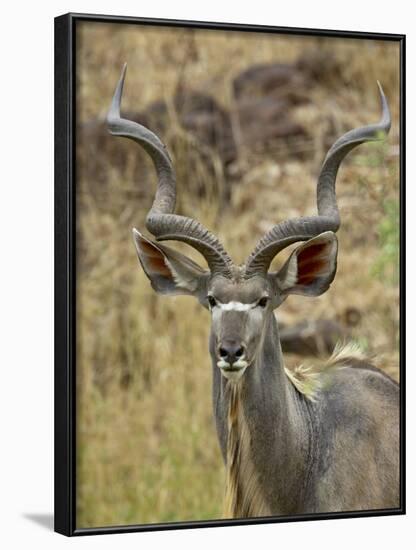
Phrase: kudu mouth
[232,371]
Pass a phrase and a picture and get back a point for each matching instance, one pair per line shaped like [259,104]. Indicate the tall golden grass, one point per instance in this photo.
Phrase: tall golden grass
[146,443]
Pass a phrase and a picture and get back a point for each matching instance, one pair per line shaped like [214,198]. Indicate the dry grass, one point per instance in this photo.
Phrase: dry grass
[146,448]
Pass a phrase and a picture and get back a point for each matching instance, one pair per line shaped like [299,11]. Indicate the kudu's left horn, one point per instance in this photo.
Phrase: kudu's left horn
[301,229]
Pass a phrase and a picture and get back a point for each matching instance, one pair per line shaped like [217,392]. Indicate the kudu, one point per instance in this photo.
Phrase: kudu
[287,449]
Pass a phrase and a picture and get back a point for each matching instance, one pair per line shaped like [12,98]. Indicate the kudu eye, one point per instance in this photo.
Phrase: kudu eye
[263,302]
[212,301]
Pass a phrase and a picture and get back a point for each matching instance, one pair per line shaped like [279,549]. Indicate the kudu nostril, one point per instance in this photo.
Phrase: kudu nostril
[239,352]
[223,353]
[231,351]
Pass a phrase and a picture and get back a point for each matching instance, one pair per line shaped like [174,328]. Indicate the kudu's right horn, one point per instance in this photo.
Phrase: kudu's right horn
[161,221]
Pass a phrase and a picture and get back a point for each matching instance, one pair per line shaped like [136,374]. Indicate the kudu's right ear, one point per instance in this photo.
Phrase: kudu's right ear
[169,271]
[311,267]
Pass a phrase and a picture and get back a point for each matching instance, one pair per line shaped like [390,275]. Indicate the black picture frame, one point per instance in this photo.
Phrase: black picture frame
[65,269]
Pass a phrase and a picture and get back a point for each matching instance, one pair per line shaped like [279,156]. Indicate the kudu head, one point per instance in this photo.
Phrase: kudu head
[241,299]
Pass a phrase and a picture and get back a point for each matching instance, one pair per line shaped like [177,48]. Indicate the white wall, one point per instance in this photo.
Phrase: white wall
[26,301]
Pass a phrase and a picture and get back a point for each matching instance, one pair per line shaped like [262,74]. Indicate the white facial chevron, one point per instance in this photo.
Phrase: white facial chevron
[236,306]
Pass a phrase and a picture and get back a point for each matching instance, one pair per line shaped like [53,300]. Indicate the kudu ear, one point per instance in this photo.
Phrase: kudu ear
[169,271]
[310,268]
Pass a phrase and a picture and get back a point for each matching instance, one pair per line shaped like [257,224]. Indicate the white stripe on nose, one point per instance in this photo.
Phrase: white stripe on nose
[236,306]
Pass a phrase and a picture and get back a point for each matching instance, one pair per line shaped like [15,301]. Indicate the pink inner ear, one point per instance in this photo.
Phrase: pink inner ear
[158,266]
[148,249]
[314,271]
[153,259]
[312,252]
[312,262]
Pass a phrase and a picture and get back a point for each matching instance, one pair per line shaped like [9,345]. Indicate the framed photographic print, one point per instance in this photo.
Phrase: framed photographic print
[229,283]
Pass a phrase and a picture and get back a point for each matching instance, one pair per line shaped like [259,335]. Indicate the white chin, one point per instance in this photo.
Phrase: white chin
[233,376]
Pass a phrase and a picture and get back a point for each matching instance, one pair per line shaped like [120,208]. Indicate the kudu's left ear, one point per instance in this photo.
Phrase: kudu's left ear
[310,268]
[169,271]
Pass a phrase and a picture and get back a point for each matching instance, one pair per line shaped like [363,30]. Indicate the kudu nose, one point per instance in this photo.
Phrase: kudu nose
[231,351]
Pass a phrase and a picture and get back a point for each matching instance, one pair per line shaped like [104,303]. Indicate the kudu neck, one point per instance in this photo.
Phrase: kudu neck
[267,394]
[267,378]
[270,357]
[262,429]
